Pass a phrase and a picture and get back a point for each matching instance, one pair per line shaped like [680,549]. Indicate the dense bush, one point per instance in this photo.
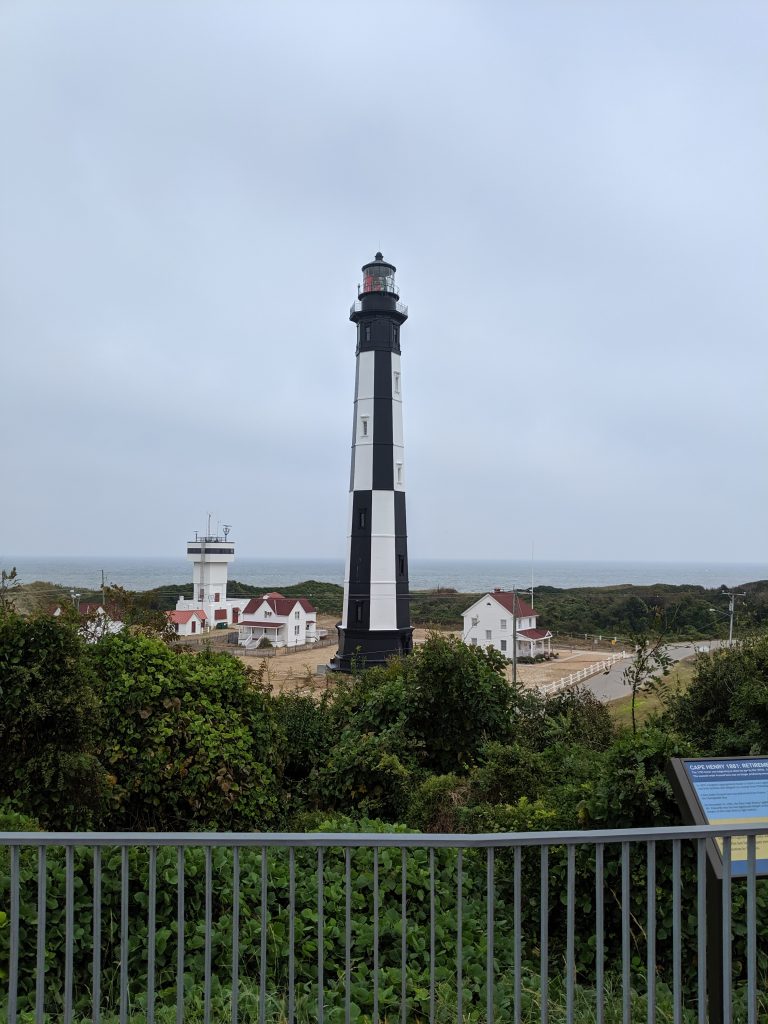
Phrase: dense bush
[49,710]
[189,740]
[725,711]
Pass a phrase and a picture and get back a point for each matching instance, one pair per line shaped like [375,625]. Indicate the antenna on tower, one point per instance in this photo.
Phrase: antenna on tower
[226,528]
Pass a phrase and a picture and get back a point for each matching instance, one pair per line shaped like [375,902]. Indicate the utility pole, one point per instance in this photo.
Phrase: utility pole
[531,574]
[103,591]
[514,637]
[731,605]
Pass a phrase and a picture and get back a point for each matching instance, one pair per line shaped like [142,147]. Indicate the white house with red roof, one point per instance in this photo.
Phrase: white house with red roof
[497,617]
[97,620]
[284,621]
[188,623]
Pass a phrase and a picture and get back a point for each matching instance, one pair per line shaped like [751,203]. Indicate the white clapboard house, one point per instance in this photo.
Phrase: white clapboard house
[489,623]
[284,621]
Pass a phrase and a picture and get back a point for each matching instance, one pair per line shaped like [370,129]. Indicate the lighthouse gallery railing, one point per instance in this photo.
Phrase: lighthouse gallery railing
[332,927]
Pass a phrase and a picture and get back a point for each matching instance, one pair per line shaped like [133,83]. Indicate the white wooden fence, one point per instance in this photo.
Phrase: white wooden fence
[581,674]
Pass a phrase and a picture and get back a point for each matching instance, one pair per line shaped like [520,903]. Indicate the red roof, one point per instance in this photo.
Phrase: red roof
[534,634]
[220,613]
[181,618]
[522,609]
[279,605]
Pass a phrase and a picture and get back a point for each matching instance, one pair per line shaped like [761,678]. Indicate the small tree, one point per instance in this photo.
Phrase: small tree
[137,612]
[9,582]
[646,669]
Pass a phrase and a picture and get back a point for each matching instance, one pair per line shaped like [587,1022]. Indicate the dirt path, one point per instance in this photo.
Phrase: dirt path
[302,671]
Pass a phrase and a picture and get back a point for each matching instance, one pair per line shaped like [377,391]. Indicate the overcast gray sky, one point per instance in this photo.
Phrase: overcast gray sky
[574,194]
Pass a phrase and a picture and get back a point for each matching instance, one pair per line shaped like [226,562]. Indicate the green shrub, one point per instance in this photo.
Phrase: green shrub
[189,739]
[49,722]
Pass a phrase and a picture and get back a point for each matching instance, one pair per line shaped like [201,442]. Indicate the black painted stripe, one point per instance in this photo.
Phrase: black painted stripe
[382,375]
[360,559]
[383,475]
[401,551]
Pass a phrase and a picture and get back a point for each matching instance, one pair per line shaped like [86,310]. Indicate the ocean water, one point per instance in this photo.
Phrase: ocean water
[462,575]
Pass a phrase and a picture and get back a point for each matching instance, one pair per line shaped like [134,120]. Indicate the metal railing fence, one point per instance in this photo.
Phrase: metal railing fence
[332,927]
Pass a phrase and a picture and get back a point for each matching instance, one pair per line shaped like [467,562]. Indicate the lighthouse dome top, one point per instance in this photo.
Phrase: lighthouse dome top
[379,276]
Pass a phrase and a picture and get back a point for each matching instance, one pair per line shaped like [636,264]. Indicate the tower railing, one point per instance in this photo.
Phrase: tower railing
[357,305]
[300,927]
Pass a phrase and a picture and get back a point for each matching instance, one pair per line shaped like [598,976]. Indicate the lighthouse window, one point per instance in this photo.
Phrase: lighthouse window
[364,426]
[362,515]
[397,383]
[358,611]
[367,332]
[399,472]
[401,564]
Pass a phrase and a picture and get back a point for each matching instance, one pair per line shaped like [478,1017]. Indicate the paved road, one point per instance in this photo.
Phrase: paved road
[608,686]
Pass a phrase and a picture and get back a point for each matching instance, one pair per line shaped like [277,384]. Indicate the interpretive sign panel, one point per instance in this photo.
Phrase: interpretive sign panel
[728,791]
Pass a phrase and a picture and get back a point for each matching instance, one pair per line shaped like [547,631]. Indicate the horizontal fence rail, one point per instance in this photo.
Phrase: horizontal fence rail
[574,678]
[341,927]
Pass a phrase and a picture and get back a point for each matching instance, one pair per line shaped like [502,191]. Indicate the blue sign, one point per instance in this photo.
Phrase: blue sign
[734,792]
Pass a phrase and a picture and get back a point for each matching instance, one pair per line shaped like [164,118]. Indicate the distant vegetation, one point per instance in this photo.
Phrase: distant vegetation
[687,612]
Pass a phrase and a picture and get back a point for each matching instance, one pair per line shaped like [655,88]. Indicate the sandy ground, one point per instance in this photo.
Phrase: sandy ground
[297,672]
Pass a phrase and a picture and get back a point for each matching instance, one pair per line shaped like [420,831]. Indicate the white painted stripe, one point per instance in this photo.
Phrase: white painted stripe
[398,456]
[363,468]
[383,607]
[397,422]
[364,410]
[382,561]
[383,514]
[365,365]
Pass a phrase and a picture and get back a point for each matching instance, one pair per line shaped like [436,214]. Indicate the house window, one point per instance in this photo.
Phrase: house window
[364,426]
[202,594]
[358,611]
[362,516]
[296,630]
[297,615]
[488,634]
[503,645]
[267,614]
[217,596]
[397,383]
[503,623]
[473,641]
[475,620]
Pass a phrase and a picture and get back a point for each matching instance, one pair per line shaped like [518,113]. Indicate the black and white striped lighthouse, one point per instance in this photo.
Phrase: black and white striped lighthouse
[376,621]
